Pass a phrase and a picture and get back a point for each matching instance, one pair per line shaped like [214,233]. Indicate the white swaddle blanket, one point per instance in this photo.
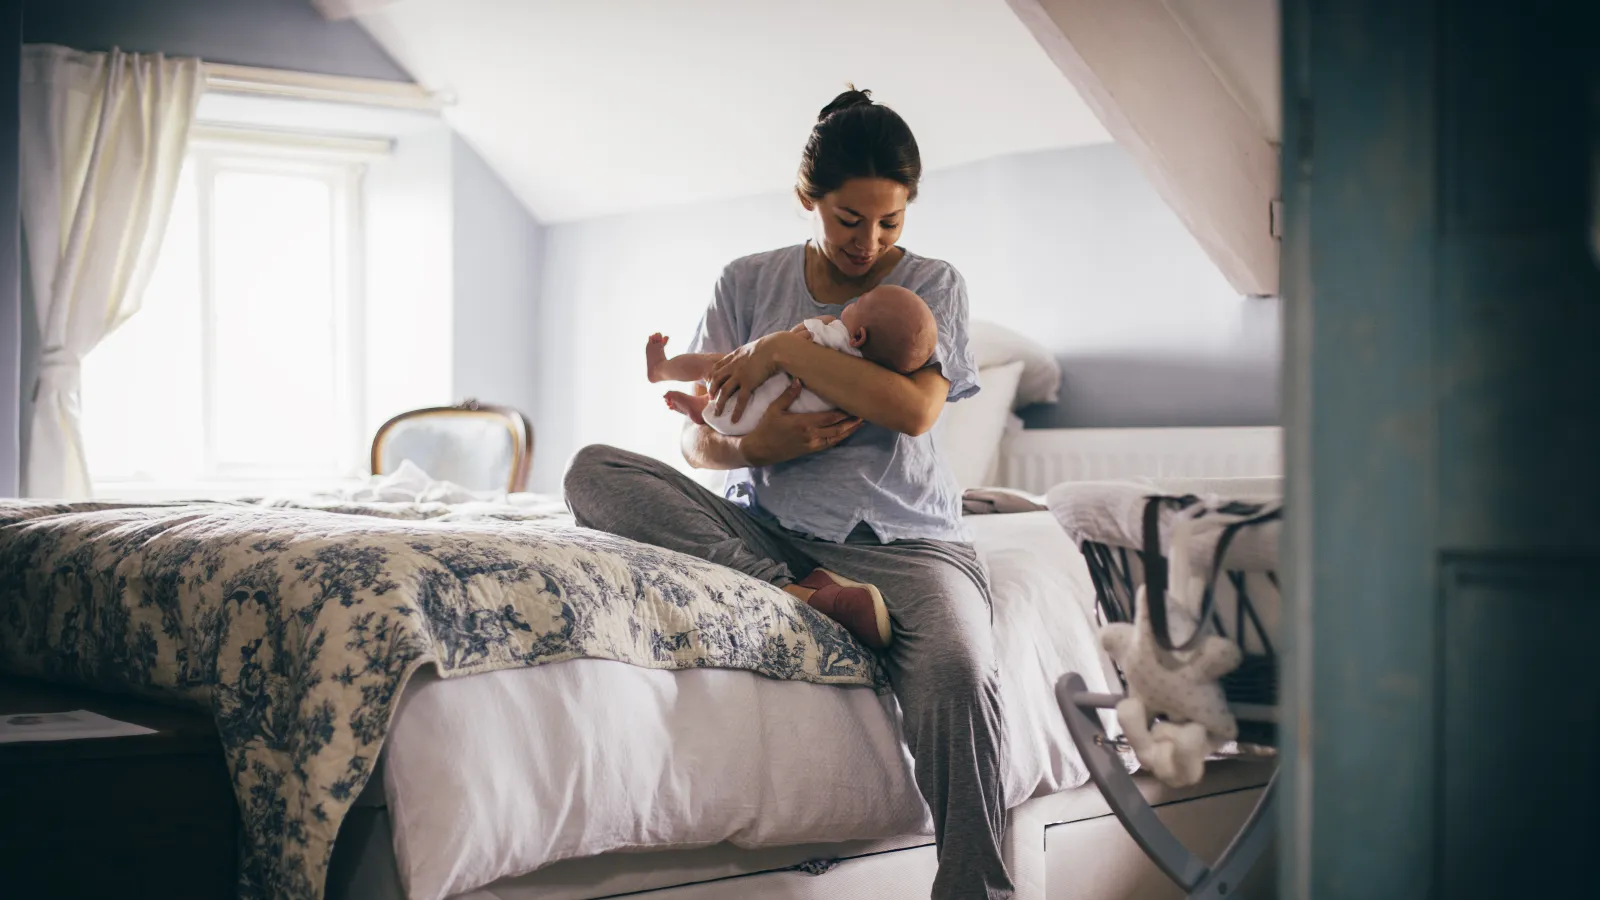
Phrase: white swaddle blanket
[832,335]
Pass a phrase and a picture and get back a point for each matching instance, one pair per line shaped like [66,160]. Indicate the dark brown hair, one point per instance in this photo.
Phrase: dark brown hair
[857,138]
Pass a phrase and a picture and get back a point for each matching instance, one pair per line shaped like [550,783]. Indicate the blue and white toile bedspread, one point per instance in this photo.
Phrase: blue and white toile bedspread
[298,624]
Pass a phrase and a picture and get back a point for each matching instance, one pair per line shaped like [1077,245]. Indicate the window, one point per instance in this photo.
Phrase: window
[244,363]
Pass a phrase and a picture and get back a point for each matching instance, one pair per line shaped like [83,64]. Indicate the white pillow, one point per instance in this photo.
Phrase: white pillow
[995,345]
[969,431]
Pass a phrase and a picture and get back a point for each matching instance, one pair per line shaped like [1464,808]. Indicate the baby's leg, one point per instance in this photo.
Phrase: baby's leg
[683,367]
[691,405]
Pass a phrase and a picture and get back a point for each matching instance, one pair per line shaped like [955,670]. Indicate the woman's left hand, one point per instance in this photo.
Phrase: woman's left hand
[736,376]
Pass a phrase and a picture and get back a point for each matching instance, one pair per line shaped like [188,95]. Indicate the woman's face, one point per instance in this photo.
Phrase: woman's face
[858,223]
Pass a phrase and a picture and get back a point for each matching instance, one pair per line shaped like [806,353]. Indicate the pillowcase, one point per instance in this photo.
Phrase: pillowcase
[969,431]
[995,345]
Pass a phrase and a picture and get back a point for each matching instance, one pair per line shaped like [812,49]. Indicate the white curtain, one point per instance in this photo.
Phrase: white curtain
[102,144]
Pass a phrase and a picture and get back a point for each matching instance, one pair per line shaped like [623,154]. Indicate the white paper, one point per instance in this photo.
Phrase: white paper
[63,726]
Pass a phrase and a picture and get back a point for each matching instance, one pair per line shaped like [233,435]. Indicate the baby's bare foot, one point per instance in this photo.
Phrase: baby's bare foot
[688,404]
[655,356]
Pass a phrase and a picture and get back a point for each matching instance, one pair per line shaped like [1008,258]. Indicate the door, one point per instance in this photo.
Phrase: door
[1442,312]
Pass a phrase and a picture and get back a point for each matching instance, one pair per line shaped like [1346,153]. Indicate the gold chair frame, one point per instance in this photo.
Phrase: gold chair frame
[517,424]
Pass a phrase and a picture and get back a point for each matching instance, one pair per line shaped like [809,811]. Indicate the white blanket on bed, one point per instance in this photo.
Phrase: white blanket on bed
[498,774]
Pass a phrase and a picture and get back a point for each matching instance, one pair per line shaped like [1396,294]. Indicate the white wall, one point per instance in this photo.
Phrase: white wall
[1076,249]
[497,249]
[1071,246]
[1075,246]
[610,283]
[408,276]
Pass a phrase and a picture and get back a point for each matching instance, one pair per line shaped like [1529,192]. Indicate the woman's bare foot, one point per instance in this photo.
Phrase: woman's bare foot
[655,356]
[688,404]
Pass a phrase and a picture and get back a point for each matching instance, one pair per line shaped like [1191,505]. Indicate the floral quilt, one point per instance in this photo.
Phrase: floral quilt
[298,624]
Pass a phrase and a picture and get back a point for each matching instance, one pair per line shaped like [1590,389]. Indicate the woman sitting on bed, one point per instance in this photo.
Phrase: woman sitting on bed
[858,490]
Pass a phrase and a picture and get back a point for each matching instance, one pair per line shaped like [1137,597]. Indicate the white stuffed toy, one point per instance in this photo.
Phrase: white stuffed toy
[1179,685]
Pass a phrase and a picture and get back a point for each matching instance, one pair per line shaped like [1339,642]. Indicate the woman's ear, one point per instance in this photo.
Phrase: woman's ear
[805,201]
[858,337]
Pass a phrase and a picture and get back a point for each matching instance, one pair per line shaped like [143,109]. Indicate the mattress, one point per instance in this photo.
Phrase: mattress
[499,774]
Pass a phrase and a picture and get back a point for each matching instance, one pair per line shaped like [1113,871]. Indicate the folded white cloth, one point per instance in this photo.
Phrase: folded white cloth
[409,484]
[989,501]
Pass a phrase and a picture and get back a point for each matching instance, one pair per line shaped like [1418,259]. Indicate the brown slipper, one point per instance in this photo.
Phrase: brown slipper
[858,607]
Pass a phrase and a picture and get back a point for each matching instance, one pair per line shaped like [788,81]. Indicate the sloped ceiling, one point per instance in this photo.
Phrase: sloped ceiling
[595,107]
[1190,89]
[1240,39]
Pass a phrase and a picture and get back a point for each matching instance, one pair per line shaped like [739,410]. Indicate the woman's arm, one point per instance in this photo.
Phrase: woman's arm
[706,448]
[907,404]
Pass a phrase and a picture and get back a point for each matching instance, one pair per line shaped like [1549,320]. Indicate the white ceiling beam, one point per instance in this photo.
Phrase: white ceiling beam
[1136,67]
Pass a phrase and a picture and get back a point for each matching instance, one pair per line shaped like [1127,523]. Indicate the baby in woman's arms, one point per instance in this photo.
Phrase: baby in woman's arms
[888,325]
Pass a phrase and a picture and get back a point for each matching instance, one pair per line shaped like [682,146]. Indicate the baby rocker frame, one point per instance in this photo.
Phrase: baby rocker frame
[1251,689]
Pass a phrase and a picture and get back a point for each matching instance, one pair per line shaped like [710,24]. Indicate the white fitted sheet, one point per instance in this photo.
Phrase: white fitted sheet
[498,774]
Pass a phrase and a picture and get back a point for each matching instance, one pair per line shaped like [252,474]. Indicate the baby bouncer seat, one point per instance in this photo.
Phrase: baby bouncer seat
[1187,595]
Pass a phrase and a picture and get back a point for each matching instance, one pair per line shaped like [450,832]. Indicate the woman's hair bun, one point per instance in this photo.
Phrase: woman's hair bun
[857,138]
[844,101]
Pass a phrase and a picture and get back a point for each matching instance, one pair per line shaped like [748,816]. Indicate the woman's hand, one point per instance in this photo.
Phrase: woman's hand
[782,435]
[736,376]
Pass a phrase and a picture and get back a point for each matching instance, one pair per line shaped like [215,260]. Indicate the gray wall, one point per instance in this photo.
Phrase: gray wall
[10,257]
[280,34]
[498,248]
[1072,247]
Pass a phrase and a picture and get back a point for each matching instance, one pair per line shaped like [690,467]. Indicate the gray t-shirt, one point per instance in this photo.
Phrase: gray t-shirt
[894,483]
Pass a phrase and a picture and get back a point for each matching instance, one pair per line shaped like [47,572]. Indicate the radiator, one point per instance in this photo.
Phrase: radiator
[1035,460]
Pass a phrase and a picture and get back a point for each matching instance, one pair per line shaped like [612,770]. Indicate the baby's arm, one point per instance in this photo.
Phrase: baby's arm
[683,367]
[690,366]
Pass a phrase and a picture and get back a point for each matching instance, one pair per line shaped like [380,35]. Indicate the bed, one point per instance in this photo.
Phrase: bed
[760,828]
[384,675]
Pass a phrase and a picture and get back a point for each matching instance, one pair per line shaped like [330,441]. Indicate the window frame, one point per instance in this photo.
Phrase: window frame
[342,165]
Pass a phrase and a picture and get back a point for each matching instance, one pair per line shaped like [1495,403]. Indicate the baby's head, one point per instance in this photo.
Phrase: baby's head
[892,327]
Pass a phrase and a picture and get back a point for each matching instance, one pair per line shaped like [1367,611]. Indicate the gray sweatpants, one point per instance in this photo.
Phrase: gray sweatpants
[941,662]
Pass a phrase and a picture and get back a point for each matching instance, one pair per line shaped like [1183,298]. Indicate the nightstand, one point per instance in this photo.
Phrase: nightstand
[146,816]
